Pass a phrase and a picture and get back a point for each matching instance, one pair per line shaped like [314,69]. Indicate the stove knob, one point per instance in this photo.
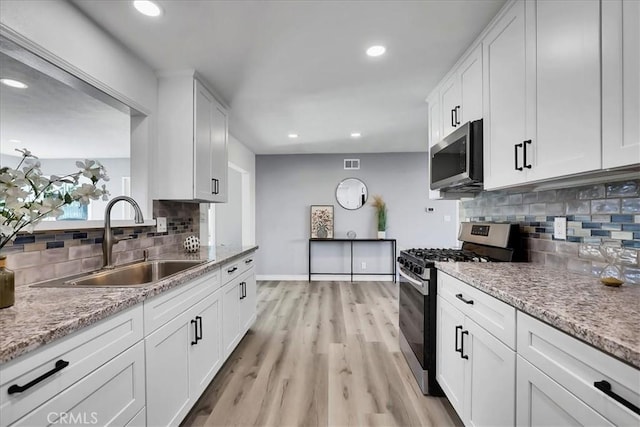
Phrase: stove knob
[400,260]
[417,269]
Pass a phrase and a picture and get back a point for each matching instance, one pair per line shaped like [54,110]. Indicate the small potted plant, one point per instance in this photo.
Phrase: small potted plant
[381,212]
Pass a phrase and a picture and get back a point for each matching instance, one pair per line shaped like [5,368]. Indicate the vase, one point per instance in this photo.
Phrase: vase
[382,234]
[321,232]
[7,284]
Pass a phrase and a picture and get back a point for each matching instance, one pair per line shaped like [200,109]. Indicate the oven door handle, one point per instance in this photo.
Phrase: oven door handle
[424,290]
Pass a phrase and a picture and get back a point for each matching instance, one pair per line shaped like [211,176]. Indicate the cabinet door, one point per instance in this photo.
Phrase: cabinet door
[248,302]
[204,185]
[489,379]
[111,395]
[450,100]
[230,316]
[620,83]
[205,356]
[167,360]
[567,135]
[504,62]
[449,363]
[218,154]
[435,119]
[544,402]
[471,87]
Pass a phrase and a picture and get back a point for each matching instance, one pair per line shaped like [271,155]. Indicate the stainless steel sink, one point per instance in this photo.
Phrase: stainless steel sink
[135,275]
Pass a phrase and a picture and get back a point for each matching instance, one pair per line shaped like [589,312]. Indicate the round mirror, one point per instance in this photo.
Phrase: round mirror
[351,193]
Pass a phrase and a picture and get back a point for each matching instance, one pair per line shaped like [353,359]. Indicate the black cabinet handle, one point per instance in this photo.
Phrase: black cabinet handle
[15,388]
[231,270]
[453,120]
[240,289]
[249,261]
[457,109]
[515,151]
[195,332]
[524,149]
[458,350]
[466,301]
[605,387]
[464,356]
[244,289]
[199,337]
[215,184]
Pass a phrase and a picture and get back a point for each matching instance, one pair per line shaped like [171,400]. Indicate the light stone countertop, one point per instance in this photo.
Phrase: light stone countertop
[41,315]
[608,318]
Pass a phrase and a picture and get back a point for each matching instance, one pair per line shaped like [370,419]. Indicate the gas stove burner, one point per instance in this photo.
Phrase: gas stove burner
[444,255]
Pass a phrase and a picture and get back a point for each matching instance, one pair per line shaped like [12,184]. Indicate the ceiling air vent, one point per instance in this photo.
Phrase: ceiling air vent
[351,164]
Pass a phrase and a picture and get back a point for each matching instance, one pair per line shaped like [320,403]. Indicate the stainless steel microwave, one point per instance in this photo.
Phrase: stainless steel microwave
[456,162]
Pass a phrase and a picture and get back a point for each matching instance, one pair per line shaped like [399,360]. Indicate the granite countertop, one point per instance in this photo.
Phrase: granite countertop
[581,306]
[41,315]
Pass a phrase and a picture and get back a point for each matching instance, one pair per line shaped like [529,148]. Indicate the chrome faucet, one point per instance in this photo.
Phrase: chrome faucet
[108,239]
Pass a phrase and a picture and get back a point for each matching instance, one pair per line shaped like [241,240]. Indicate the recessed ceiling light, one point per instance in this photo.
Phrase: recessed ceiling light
[147,7]
[15,141]
[356,134]
[13,83]
[376,50]
[293,135]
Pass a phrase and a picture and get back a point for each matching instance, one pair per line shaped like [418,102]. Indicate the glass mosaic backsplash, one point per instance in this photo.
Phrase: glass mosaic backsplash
[594,213]
[52,254]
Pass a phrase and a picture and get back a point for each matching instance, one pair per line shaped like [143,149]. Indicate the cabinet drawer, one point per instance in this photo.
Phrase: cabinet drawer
[111,395]
[164,307]
[235,268]
[576,366]
[85,351]
[495,316]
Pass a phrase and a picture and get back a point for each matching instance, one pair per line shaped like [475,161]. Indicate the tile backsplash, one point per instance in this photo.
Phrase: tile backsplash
[49,255]
[594,213]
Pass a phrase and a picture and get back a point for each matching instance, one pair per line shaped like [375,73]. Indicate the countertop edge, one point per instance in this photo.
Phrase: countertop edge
[17,348]
[556,320]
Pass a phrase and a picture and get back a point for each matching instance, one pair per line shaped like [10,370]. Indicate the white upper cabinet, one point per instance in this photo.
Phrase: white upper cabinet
[504,124]
[192,142]
[461,94]
[565,133]
[620,83]
[542,83]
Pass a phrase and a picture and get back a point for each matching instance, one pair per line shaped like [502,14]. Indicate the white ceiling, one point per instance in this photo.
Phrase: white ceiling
[55,121]
[300,66]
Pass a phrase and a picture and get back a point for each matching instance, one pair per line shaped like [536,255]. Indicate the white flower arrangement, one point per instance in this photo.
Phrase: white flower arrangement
[28,196]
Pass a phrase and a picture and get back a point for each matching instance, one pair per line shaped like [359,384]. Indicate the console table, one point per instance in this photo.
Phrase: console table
[390,242]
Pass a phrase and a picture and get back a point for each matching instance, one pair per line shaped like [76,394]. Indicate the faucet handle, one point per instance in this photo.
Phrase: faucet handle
[117,239]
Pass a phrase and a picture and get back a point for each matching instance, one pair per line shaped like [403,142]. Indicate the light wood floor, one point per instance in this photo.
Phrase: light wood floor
[320,354]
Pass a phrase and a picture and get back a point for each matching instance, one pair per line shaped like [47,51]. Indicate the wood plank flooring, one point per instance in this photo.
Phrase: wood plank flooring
[320,354]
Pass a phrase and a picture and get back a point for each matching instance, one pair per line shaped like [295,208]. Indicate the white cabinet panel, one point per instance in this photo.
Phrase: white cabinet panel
[450,101]
[620,83]
[490,376]
[543,402]
[231,293]
[566,139]
[449,364]
[505,105]
[167,359]
[248,301]
[471,87]
[111,395]
[204,184]
[205,357]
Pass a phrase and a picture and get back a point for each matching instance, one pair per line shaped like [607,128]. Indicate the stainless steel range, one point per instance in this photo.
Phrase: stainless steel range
[482,242]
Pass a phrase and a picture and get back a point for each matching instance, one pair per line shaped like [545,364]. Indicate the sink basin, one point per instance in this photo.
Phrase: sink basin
[135,275]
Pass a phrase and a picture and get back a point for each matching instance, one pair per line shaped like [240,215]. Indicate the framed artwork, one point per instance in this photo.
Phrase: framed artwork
[322,221]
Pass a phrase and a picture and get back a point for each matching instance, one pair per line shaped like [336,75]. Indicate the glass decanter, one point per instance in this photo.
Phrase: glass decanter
[611,274]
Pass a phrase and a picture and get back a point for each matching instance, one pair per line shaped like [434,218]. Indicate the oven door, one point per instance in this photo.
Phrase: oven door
[413,309]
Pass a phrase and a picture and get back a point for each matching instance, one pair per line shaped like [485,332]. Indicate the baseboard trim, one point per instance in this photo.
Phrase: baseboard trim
[323,278]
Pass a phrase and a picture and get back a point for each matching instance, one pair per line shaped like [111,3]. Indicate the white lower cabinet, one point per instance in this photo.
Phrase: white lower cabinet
[238,308]
[475,370]
[182,358]
[113,394]
[248,301]
[544,402]
[558,376]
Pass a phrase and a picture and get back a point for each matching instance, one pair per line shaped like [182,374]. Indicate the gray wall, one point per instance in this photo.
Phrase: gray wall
[229,215]
[287,185]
